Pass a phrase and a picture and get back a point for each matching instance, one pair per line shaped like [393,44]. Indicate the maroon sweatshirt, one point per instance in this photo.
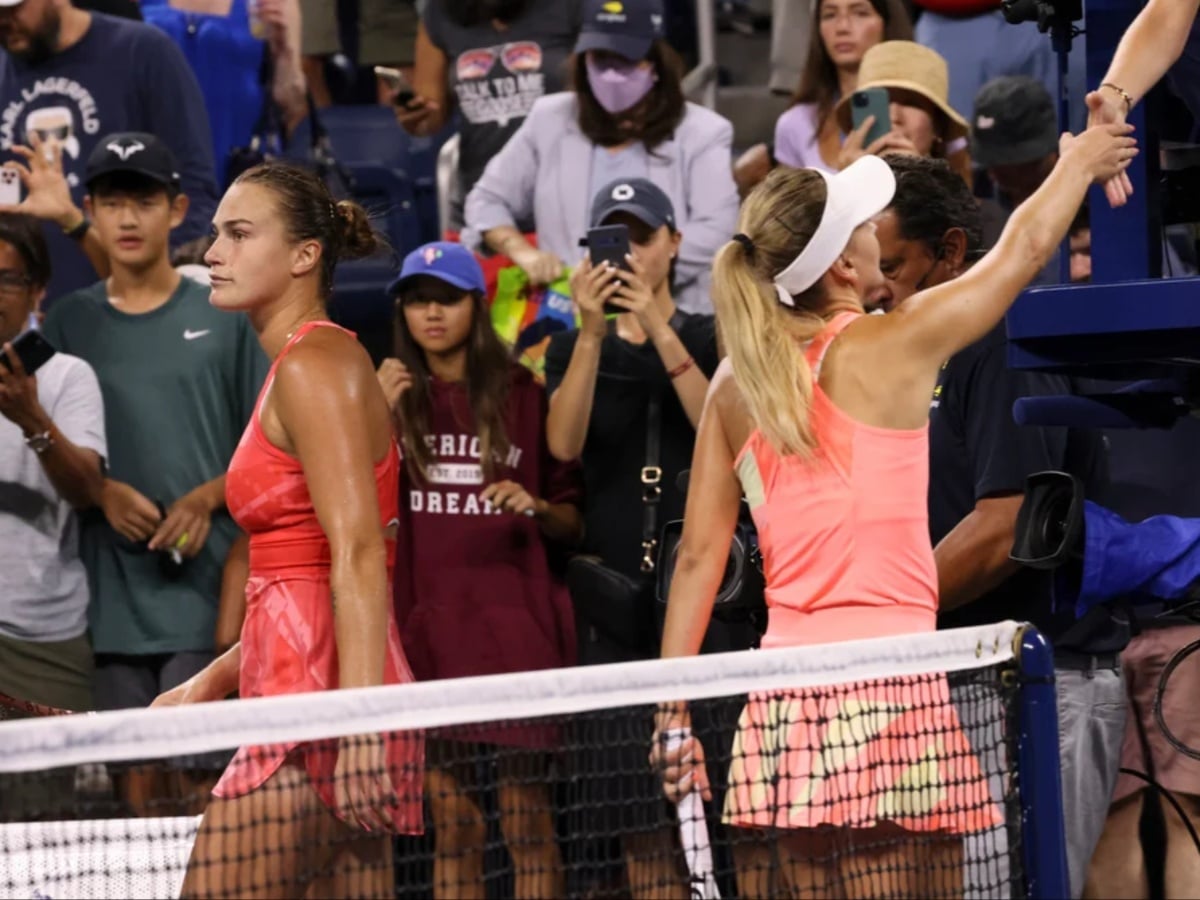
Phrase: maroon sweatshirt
[474,589]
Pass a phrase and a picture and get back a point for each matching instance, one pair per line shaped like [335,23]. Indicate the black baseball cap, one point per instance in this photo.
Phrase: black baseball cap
[636,196]
[625,27]
[1015,122]
[133,151]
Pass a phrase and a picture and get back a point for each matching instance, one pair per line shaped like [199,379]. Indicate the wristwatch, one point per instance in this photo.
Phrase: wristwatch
[40,443]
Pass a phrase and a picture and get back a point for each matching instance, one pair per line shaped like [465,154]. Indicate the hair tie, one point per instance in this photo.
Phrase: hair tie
[744,240]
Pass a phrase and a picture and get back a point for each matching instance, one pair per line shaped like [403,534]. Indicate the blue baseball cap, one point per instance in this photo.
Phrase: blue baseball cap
[625,27]
[444,260]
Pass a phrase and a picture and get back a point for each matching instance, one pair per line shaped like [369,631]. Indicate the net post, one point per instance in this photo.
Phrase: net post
[1040,778]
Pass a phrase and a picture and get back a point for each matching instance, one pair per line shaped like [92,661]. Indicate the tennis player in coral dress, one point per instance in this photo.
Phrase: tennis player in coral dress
[820,418]
[315,483]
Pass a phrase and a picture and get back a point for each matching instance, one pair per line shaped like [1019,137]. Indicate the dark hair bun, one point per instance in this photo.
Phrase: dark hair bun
[356,237]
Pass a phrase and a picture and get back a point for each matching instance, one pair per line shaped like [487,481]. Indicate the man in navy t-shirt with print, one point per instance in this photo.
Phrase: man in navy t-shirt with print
[71,76]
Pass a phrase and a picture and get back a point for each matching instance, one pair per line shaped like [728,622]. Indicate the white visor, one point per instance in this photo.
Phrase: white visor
[853,196]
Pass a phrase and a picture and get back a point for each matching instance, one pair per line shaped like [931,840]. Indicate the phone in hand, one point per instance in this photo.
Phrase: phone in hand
[872,102]
[10,187]
[609,243]
[395,80]
[32,349]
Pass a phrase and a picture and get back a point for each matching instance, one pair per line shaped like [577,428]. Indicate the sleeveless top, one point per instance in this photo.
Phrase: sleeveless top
[267,494]
[844,533]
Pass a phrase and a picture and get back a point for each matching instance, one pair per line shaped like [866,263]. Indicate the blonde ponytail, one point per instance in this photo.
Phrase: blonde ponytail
[765,346]
[764,339]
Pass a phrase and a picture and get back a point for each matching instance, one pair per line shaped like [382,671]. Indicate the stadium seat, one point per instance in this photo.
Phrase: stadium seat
[360,303]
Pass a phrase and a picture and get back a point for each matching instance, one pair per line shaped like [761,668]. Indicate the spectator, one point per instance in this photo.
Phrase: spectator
[979,45]
[807,135]
[59,82]
[626,118]
[1014,136]
[179,380]
[52,453]
[386,30]
[475,592]
[601,380]
[241,62]
[979,462]
[923,121]
[492,62]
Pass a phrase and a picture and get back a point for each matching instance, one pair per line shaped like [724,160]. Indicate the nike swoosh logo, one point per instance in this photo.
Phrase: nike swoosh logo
[189,335]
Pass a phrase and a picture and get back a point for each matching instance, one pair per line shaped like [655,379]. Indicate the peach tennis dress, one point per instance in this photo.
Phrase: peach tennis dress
[845,542]
[288,641]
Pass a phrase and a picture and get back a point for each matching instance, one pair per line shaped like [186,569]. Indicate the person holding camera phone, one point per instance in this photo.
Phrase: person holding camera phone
[920,119]
[625,117]
[52,451]
[491,61]
[634,349]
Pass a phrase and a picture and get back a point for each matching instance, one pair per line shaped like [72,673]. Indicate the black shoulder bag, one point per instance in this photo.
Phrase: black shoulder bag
[617,605]
[741,597]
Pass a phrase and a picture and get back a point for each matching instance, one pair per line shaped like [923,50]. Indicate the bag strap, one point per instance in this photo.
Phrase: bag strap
[651,481]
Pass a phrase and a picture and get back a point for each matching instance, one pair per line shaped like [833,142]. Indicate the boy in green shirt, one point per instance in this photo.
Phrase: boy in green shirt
[179,380]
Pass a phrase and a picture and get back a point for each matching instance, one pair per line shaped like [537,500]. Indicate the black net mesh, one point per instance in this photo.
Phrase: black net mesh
[899,786]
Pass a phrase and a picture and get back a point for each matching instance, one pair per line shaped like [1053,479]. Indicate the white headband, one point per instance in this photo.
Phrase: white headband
[852,196]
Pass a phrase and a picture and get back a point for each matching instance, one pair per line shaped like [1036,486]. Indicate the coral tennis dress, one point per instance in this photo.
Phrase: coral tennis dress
[288,641]
[845,542]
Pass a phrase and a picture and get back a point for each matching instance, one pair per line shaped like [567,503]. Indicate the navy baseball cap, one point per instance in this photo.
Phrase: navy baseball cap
[133,151]
[636,196]
[625,27]
[444,260]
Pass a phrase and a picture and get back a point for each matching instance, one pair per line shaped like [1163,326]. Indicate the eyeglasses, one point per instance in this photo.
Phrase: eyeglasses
[13,284]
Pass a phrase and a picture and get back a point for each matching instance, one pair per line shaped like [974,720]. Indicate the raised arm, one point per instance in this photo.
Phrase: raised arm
[935,324]
[1153,43]
[571,399]
[429,109]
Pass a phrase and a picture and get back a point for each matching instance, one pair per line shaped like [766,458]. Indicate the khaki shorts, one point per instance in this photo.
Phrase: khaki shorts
[387,31]
[1144,660]
[53,673]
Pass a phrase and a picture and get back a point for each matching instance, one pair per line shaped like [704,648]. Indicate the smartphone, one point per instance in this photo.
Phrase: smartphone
[395,79]
[10,187]
[32,349]
[872,102]
[609,243]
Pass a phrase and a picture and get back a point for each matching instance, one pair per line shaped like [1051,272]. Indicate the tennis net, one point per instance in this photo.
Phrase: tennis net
[890,767]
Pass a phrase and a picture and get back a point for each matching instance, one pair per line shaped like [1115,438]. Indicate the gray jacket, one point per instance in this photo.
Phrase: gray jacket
[543,173]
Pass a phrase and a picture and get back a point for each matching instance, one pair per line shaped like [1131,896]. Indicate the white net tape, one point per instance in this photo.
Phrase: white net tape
[147,857]
[34,744]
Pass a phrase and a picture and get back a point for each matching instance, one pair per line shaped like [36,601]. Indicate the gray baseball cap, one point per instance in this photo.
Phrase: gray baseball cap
[1015,122]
